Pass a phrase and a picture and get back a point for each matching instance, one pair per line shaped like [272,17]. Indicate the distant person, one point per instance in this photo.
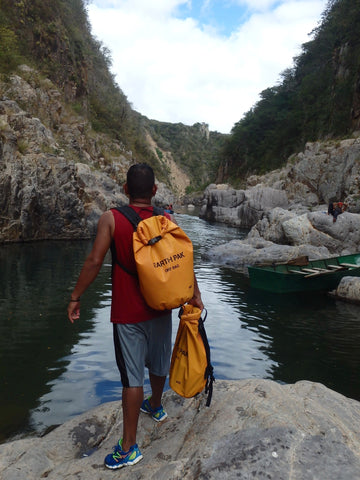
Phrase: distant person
[336,208]
[331,208]
[169,208]
[142,336]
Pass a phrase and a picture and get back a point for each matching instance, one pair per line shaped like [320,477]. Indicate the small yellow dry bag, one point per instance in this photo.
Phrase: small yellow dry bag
[191,370]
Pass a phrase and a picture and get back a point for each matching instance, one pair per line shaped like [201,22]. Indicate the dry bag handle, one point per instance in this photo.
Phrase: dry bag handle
[181,311]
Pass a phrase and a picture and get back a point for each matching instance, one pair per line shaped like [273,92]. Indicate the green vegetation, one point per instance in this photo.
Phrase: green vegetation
[22,146]
[54,37]
[195,150]
[9,49]
[317,98]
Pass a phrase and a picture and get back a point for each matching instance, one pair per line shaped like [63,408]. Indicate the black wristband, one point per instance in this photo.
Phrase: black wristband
[77,300]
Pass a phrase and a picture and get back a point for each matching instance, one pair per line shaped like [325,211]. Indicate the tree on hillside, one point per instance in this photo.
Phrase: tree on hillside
[317,98]
[54,37]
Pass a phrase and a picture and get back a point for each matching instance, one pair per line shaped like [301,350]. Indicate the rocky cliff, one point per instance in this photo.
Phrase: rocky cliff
[323,172]
[57,175]
[286,210]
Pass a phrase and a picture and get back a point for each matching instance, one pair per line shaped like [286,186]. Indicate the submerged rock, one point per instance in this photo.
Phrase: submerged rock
[348,289]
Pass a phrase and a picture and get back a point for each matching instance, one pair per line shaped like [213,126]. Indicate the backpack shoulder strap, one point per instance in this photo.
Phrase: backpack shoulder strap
[129,213]
[134,219]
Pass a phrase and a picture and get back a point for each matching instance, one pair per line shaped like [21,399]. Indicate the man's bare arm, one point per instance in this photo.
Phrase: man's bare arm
[92,263]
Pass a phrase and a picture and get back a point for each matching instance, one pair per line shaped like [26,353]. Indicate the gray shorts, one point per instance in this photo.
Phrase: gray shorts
[140,345]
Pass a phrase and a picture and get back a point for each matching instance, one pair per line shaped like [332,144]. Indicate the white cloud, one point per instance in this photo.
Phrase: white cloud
[173,69]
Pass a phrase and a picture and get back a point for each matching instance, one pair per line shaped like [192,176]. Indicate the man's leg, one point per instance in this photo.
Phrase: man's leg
[159,357]
[132,398]
[158,360]
[157,388]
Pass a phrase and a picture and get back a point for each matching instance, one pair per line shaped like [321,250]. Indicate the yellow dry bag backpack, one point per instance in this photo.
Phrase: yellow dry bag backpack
[191,370]
[164,260]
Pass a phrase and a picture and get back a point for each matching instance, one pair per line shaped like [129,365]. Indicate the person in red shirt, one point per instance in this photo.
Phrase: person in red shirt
[142,336]
[336,208]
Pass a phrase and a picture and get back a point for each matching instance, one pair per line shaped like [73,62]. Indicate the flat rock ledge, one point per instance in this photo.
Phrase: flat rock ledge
[254,429]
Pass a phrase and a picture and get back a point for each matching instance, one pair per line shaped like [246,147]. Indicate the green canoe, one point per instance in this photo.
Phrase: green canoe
[322,274]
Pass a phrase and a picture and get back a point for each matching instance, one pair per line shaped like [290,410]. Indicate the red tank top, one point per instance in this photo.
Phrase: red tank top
[128,304]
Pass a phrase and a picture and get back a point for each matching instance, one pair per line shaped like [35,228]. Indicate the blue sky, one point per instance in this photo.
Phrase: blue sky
[224,17]
[201,61]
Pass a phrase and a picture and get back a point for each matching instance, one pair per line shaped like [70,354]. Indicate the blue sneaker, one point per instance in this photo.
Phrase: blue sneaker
[119,458]
[157,414]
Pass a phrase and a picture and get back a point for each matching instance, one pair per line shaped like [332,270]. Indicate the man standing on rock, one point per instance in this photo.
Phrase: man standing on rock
[142,336]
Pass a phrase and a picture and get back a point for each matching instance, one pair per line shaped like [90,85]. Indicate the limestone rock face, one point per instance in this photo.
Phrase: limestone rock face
[57,176]
[239,207]
[48,191]
[323,172]
[43,196]
[253,429]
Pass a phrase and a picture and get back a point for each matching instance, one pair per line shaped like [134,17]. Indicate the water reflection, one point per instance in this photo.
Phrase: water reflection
[35,342]
[51,370]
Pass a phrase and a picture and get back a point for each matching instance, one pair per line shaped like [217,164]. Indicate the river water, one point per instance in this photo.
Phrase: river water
[51,370]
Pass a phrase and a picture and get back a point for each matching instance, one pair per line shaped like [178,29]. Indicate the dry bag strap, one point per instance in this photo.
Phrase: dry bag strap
[209,371]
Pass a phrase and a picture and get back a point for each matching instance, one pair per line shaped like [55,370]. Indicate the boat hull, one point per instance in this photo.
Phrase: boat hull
[324,274]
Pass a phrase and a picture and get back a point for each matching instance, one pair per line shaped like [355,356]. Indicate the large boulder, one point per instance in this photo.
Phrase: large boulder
[348,290]
[253,429]
[240,208]
[239,254]
[344,232]
[317,229]
[270,226]
[281,235]
[300,231]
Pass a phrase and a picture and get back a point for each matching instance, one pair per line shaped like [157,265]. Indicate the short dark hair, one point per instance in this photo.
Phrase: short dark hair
[140,180]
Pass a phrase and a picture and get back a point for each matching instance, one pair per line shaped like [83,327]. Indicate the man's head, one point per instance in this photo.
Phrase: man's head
[140,181]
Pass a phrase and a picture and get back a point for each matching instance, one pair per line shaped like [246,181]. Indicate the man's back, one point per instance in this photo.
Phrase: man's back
[128,304]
